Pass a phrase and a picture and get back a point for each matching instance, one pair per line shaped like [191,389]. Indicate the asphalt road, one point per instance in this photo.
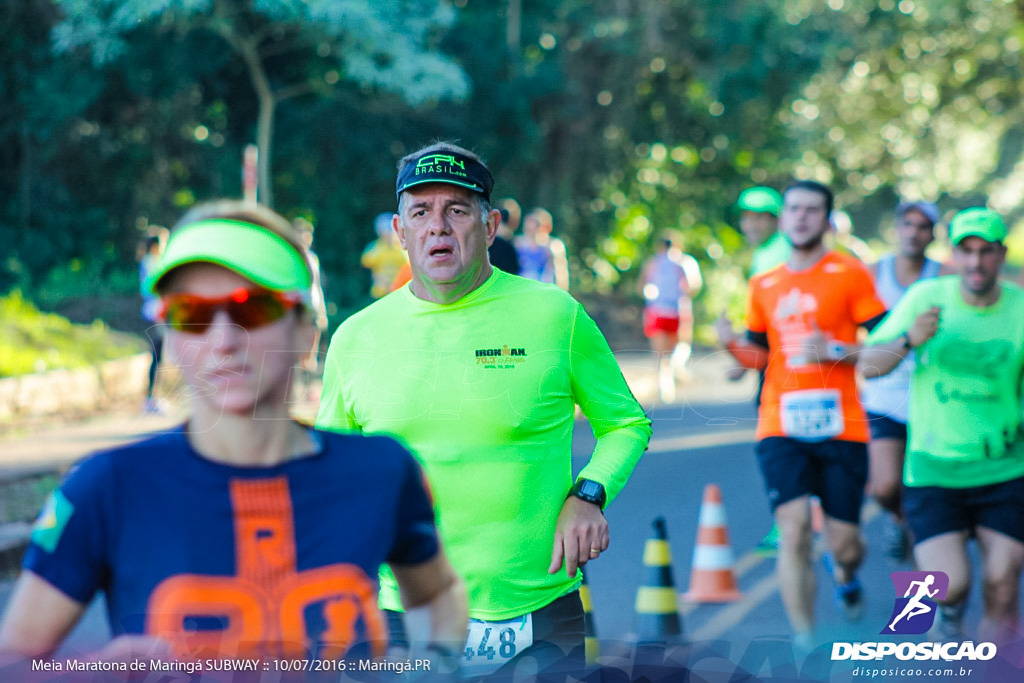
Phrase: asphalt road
[694,445]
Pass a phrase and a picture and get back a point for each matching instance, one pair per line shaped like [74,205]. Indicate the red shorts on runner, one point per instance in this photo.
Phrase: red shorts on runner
[655,324]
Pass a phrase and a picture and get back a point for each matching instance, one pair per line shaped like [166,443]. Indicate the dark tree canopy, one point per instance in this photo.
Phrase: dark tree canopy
[624,119]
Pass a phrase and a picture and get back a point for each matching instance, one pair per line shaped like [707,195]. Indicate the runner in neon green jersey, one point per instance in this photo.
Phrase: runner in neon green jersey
[479,372]
[964,473]
[759,221]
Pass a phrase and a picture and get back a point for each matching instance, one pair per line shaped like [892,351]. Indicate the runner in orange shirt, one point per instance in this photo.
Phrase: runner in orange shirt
[803,318]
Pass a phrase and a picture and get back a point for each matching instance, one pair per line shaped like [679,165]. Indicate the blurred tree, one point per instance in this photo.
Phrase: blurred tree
[288,48]
[625,118]
[646,117]
[42,97]
[914,99]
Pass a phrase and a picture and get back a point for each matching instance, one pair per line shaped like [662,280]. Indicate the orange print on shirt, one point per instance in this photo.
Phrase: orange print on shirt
[262,609]
[835,296]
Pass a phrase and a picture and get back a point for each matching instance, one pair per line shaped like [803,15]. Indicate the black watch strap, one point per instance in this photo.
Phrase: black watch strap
[591,491]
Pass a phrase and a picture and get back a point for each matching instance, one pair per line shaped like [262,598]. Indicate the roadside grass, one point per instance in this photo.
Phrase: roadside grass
[33,341]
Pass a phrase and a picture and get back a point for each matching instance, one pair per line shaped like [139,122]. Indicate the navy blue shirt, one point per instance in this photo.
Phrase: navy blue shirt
[229,561]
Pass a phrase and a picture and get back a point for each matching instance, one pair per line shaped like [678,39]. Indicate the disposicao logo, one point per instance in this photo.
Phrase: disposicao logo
[916,604]
[914,612]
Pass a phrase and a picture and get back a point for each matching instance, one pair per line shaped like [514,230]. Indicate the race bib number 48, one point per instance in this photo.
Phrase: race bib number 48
[812,415]
[491,644]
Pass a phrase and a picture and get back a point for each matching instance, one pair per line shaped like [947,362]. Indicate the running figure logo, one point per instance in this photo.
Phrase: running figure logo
[914,613]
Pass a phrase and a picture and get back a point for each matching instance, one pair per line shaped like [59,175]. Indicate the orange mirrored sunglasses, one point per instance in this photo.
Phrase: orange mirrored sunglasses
[246,308]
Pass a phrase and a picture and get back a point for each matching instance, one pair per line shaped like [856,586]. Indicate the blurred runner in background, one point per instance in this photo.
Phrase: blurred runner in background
[759,209]
[841,238]
[964,474]
[152,247]
[668,281]
[886,398]
[542,257]
[759,220]
[802,320]
[311,364]
[383,257]
[502,252]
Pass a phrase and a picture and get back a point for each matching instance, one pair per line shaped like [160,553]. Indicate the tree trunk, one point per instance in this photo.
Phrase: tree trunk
[264,141]
[248,49]
[513,31]
[25,178]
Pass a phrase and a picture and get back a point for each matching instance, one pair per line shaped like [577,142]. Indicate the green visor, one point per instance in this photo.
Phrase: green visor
[253,252]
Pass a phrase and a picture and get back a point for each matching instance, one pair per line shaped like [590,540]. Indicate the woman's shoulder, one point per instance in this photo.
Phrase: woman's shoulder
[382,450]
[120,463]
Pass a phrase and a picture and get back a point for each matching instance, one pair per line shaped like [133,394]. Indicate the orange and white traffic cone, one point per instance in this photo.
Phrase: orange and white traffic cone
[712,578]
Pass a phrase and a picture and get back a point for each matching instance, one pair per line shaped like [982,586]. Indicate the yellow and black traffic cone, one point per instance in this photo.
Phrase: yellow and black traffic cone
[592,649]
[657,612]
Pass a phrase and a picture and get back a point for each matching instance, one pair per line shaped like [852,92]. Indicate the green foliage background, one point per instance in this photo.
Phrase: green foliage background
[624,118]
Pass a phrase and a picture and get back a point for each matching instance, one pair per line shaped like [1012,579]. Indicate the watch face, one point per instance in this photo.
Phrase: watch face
[591,489]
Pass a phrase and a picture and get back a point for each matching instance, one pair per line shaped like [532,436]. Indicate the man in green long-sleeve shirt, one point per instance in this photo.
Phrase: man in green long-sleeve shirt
[479,373]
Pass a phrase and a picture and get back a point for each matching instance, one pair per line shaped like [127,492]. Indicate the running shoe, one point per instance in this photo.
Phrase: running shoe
[826,559]
[769,545]
[896,541]
[849,595]
[850,598]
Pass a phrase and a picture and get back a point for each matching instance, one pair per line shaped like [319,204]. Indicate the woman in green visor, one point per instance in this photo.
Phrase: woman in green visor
[242,534]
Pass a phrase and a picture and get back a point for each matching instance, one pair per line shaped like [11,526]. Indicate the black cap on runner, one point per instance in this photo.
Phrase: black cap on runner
[446,167]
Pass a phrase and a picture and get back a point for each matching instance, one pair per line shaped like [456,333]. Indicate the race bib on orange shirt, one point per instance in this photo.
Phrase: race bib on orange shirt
[812,415]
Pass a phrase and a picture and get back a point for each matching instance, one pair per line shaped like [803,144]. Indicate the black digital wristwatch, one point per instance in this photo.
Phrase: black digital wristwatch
[590,491]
